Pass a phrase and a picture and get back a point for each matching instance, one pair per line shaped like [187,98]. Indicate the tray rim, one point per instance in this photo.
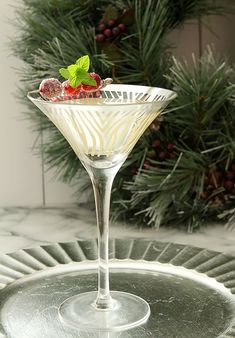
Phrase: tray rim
[14,266]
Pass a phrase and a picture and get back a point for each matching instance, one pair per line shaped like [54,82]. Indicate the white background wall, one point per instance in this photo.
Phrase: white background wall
[21,172]
[21,179]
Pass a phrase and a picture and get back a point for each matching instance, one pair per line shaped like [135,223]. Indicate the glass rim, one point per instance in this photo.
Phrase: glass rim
[172,95]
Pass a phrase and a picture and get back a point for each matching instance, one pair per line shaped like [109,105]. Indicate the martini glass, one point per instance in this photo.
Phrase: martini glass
[102,131]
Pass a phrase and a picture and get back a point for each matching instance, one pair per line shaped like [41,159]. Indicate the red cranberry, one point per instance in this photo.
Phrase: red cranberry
[115,31]
[156,143]
[70,90]
[108,32]
[101,27]
[229,185]
[170,147]
[88,88]
[122,27]
[50,88]
[100,37]
[111,22]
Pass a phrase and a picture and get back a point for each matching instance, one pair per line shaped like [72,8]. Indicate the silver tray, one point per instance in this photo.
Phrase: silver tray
[190,290]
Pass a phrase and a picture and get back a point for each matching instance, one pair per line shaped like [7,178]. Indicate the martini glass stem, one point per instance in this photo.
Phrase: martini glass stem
[102,192]
[102,180]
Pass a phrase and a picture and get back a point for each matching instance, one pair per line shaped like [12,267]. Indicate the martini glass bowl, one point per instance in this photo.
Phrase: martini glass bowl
[102,131]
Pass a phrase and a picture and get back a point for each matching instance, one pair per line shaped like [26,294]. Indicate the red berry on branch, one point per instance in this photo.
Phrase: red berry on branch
[108,32]
[134,171]
[115,31]
[111,22]
[162,155]
[156,143]
[122,27]
[230,175]
[89,88]
[146,164]
[100,37]
[229,185]
[101,27]
[170,147]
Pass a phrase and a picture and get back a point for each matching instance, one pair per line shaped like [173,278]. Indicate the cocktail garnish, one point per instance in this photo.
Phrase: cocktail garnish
[79,82]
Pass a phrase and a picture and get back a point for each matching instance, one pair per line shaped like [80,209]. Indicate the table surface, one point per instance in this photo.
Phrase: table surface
[29,227]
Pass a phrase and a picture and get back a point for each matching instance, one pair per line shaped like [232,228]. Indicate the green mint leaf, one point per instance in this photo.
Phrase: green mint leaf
[64,73]
[89,81]
[85,77]
[72,70]
[81,73]
[78,76]
[84,62]
[74,82]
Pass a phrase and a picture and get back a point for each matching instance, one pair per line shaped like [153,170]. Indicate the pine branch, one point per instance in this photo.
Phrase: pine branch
[201,125]
[200,122]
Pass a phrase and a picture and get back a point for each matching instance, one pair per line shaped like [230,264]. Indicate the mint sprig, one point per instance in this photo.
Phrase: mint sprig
[83,62]
[78,73]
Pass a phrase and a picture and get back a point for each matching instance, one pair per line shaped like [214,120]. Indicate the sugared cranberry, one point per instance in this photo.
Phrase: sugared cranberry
[170,147]
[156,143]
[89,88]
[70,90]
[111,22]
[108,32]
[100,37]
[115,31]
[101,27]
[50,88]
[229,185]
[122,27]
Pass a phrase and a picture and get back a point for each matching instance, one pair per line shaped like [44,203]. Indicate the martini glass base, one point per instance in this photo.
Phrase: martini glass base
[128,312]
